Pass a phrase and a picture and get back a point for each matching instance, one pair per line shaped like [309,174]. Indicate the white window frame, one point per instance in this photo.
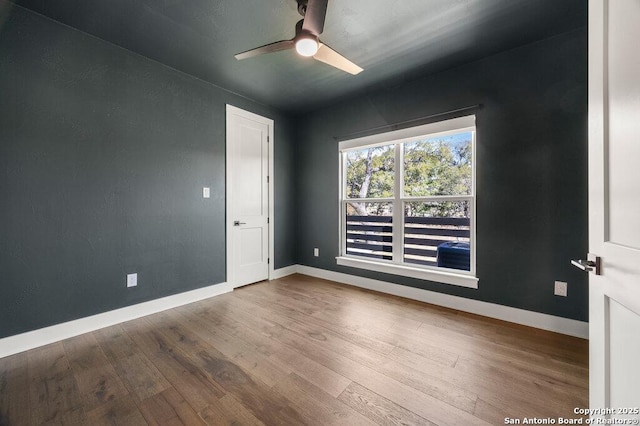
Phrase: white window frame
[398,266]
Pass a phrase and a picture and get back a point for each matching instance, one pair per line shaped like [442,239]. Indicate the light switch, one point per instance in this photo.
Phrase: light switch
[132,280]
[206,192]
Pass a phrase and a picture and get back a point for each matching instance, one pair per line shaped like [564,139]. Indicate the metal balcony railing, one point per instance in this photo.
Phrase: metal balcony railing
[372,237]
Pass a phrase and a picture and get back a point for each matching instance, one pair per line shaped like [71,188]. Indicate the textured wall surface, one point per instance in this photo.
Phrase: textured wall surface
[104,153]
[531,170]
[103,156]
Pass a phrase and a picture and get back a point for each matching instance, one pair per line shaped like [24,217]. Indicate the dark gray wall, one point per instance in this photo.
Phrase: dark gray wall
[103,156]
[531,170]
[104,153]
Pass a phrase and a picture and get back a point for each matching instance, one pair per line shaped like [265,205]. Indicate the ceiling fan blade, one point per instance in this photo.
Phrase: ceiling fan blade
[314,16]
[331,57]
[267,48]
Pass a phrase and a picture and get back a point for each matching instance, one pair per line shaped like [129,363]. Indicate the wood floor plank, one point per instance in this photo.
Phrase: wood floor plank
[138,374]
[299,350]
[428,384]
[169,408]
[471,325]
[335,342]
[391,334]
[432,383]
[14,389]
[307,331]
[256,396]
[494,352]
[225,322]
[503,385]
[115,342]
[315,404]
[97,380]
[531,394]
[381,410]
[345,333]
[118,412]
[286,360]
[185,376]
[428,351]
[317,374]
[495,415]
[368,304]
[241,353]
[228,411]
[427,406]
[462,323]
[424,358]
[54,393]
[315,348]
[425,383]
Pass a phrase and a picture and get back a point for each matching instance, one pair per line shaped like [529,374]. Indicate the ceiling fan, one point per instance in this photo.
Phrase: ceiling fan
[306,41]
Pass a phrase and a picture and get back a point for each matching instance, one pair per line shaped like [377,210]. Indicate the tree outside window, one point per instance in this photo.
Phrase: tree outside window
[428,182]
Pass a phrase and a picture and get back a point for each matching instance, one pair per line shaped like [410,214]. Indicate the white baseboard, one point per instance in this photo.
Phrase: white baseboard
[283,272]
[492,310]
[44,336]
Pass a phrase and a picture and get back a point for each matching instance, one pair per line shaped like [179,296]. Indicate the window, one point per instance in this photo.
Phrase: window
[408,202]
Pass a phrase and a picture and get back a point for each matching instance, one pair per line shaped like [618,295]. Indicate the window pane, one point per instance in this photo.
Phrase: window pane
[369,230]
[438,166]
[438,234]
[370,172]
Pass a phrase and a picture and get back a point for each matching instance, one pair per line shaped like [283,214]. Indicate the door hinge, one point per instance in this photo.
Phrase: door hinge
[268,138]
[267,220]
[267,179]
[268,260]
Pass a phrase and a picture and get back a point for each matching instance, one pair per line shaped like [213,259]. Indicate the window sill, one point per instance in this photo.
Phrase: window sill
[452,278]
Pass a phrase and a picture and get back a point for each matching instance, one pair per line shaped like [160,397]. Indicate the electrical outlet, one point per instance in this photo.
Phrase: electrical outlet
[132,280]
[316,252]
[560,289]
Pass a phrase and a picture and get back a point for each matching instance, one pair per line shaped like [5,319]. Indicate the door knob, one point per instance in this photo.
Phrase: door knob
[238,223]
[591,264]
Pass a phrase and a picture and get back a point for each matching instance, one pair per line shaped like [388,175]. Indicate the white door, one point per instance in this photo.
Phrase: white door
[614,206]
[248,137]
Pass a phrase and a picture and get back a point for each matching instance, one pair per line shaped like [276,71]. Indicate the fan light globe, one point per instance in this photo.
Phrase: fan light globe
[307,47]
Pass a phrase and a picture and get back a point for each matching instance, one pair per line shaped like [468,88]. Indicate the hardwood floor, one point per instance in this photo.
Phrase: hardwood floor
[299,351]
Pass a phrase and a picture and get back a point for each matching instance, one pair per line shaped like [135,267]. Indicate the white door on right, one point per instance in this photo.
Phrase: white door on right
[614,208]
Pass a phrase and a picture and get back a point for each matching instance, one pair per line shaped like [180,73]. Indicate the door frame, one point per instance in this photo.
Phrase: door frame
[233,110]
